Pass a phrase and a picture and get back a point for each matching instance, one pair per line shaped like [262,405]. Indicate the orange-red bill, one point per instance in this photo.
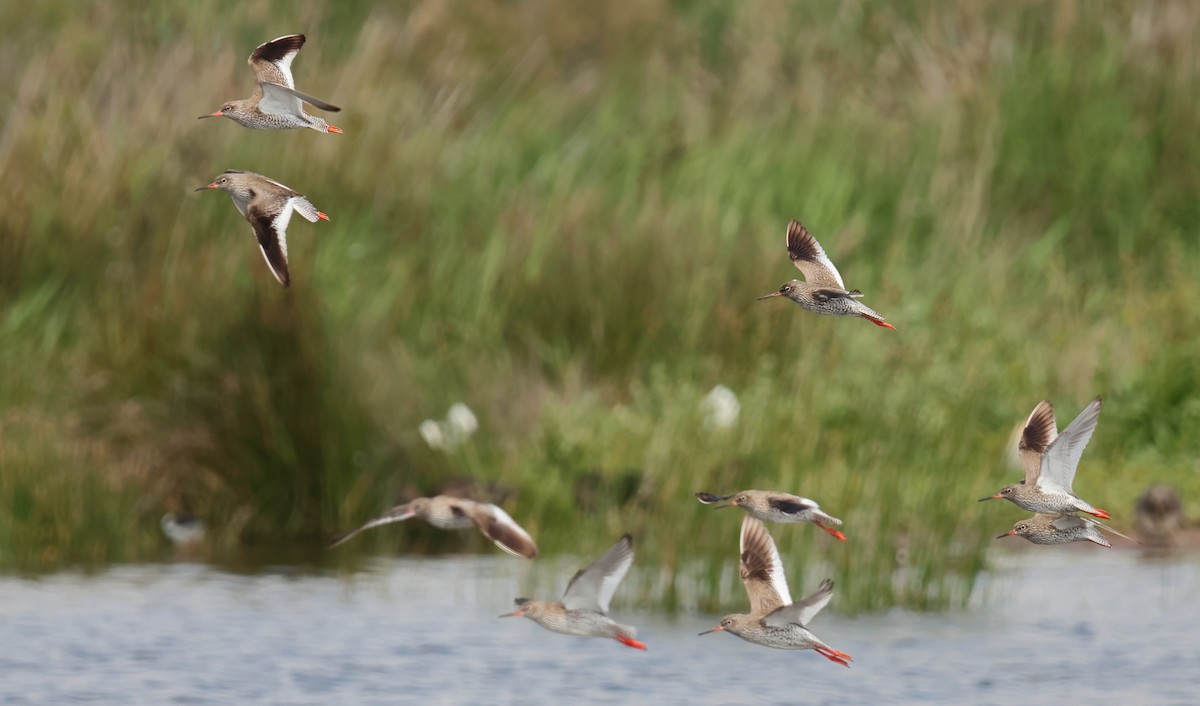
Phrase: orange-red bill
[834,532]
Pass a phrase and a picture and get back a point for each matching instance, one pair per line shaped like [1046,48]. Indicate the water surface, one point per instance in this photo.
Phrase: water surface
[1044,627]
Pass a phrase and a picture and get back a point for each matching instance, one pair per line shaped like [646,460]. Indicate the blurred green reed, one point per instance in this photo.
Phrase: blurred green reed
[561,214]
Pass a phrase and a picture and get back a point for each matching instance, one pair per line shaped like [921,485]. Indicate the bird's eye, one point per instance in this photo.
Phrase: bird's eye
[741,498]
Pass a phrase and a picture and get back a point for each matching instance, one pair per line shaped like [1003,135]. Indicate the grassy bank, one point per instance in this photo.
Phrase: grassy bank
[563,220]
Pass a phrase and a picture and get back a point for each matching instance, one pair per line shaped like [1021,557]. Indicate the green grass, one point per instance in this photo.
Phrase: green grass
[562,216]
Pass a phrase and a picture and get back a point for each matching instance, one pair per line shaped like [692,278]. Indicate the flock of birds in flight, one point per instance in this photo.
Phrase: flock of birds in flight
[774,620]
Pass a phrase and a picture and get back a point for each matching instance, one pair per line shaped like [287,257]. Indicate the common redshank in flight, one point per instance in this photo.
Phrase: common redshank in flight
[275,103]
[1062,529]
[1158,516]
[183,528]
[822,291]
[771,506]
[268,206]
[583,610]
[773,620]
[1050,462]
[446,512]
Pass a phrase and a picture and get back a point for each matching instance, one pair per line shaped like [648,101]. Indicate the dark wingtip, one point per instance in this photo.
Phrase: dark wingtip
[279,47]
[709,498]
[520,601]
[797,241]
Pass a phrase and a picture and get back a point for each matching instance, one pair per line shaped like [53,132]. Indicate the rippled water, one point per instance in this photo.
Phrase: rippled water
[1046,627]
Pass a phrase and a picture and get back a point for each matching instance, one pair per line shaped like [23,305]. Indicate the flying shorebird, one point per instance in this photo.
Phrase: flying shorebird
[446,512]
[268,206]
[773,620]
[583,609]
[275,103]
[183,529]
[822,291]
[1158,516]
[1062,529]
[1050,461]
[771,506]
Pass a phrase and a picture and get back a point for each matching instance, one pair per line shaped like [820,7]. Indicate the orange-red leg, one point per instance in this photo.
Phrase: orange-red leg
[879,322]
[630,642]
[834,655]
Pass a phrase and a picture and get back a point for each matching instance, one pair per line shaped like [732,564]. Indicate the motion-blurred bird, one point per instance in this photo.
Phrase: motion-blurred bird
[268,206]
[583,609]
[1050,462]
[275,103]
[1158,516]
[823,291]
[771,506]
[183,529]
[445,512]
[1062,529]
[773,620]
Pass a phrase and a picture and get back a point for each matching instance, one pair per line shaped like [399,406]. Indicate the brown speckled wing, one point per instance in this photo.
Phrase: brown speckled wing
[1040,430]
[270,228]
[809,257]
[498,526]
[762,569]
[272,61]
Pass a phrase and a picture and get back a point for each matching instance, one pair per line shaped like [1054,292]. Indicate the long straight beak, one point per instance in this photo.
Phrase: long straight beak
[712,630]
[211,115]
[514,614]
[768,296]
[990,497]
[210,186]
[1006,534]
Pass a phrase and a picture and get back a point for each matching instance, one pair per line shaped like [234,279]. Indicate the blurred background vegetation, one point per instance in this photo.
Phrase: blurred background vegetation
[560,214]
